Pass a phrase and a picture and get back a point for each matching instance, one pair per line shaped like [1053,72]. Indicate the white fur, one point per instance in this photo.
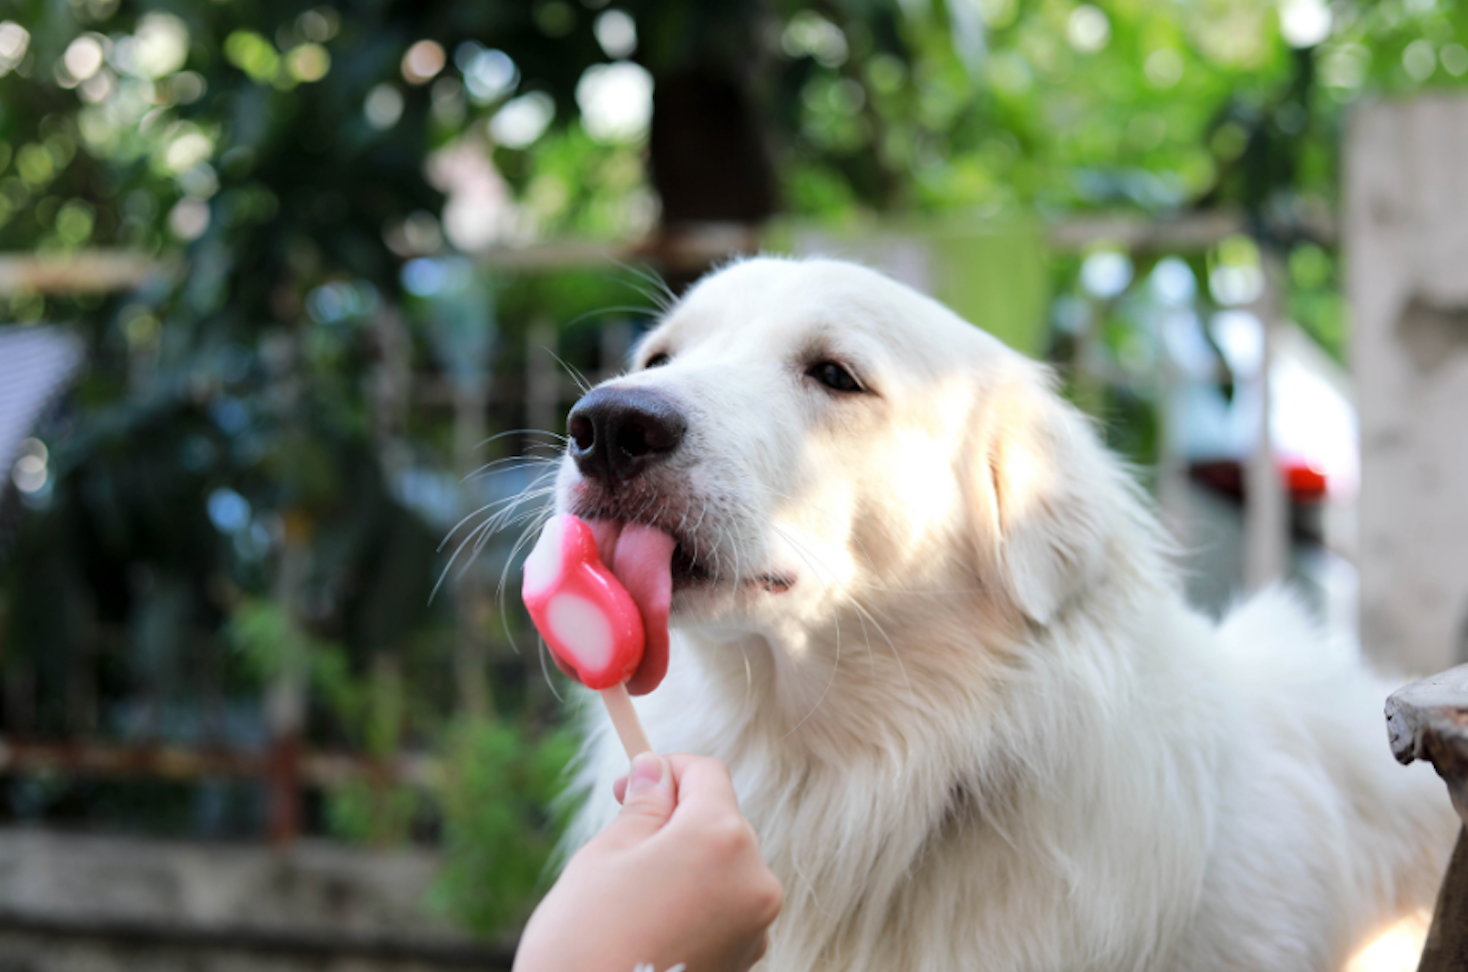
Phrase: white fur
[982,729]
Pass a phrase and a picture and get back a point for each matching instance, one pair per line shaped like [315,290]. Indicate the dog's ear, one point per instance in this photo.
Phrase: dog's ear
[1043,492]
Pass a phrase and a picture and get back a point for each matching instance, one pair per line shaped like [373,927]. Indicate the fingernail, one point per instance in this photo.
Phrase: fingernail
[647,772]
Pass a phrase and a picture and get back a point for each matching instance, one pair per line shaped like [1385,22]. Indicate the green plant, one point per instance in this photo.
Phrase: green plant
[272,645]
[497,833]
[375,812]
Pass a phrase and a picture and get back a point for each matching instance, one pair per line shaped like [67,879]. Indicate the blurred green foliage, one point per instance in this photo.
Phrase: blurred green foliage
[497,835]
[271,644]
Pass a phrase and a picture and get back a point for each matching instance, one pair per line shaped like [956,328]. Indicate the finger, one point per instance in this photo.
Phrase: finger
[679,762]
[704,784]
[647,802]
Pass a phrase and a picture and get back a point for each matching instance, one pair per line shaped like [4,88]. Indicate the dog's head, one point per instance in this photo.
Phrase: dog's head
[827,446]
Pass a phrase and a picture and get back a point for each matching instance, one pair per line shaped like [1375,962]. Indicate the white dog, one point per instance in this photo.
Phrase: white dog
[929,623]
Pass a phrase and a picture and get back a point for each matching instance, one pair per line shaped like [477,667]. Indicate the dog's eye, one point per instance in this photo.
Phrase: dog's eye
[834,377]
[657,360]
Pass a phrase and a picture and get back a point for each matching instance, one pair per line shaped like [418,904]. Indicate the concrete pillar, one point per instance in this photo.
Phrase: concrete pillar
[1406,237]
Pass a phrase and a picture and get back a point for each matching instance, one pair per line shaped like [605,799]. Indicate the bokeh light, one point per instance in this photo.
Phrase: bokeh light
[383,107]
[523,120]
[615,101]
[423,61]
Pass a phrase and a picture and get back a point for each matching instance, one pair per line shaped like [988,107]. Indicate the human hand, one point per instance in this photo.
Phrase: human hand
[676,877]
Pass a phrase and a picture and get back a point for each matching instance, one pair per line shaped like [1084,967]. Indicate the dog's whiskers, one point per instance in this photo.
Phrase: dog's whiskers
[544,653]
[661,295]
[748,674]
[737,573]
[570,370]
[614,309]
[528,507]
[558,436]
[896,655]
[467,540]
[807,555]
[694,535]
[702,512]
[476,538]
[508,520]
[835,667]
[537,523]
[718,556]
[501,467]
[509,500]
[512,512]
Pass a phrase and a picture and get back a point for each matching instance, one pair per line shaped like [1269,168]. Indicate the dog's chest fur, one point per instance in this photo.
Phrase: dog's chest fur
[921,836]
[1126,813]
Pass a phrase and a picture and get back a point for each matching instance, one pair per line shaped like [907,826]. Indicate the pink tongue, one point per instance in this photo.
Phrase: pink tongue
[641,557]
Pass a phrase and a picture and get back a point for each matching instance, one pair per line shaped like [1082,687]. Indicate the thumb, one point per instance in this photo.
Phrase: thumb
[648,802]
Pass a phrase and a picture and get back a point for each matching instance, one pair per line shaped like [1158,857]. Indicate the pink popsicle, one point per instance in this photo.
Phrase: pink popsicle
[589,621]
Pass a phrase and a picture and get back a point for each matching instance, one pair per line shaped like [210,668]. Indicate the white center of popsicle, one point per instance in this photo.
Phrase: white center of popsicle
[582,629]
[543,566]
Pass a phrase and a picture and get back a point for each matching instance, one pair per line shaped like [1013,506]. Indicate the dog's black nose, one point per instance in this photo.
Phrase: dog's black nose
[616,433]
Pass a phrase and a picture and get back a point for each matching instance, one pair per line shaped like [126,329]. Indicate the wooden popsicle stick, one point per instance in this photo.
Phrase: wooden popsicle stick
[624,719]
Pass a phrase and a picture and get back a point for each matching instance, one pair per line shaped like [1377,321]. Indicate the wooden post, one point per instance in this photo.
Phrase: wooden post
[1172,463]
[1429,720]
[543,378]
[390,387]
[1088,383]
[19,696]
[471,599]
[285,696]
[1266,502]
[19,683]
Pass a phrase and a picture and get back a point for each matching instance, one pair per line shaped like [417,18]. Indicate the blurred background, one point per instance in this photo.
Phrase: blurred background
[294,298]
